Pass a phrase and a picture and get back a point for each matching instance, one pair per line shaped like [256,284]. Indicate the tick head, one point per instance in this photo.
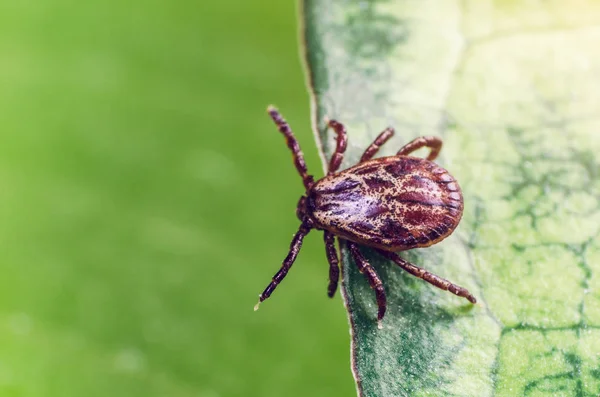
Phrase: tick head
[304,209]
[301,208]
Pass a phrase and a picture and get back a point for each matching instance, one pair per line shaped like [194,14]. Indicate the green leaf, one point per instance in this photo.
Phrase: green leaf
[513,88]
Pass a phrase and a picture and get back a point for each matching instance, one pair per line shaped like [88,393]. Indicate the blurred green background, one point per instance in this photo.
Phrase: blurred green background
[146,200]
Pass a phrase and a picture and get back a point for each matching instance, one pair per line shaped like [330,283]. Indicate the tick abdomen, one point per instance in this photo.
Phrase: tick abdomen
[393,203]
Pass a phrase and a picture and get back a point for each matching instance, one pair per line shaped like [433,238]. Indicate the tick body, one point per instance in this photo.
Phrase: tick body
[390,203]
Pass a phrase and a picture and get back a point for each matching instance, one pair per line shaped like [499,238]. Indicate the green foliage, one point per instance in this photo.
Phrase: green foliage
[146,199]
[513,90]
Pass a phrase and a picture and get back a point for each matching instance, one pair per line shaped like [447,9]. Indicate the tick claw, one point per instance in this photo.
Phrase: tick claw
[257,306]
[379,324]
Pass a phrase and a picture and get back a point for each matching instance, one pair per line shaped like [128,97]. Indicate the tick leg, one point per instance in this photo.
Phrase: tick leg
[432,142]
[340,148]
[286,265]
[429,277]
[367,270]
[334,270]
[292,143]
[374,147]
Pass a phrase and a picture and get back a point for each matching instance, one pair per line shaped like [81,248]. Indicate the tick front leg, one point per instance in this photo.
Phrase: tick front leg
[377,143]
[286,265]
[374,281]
[340,148]
[431,278]
[332,258]
[294,146]
[432,142]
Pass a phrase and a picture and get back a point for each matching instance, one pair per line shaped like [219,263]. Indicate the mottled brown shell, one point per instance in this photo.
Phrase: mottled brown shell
[393,203]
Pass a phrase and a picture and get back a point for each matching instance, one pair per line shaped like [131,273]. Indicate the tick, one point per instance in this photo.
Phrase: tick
[391,204]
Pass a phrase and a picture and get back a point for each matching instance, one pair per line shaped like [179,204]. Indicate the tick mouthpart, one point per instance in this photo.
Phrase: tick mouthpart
[301,208]
[304,211]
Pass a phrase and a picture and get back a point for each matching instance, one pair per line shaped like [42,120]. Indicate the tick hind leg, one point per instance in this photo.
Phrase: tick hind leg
[374,281]
[340,147]
[377,143]
[429,277]
[286,265]
[294,146]
[334,270]
[432,142]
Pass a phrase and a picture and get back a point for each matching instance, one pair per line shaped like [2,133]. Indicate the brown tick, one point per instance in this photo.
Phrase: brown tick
[392,204]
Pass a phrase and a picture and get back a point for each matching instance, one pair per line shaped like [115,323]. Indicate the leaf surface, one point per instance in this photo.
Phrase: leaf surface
[513,90]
